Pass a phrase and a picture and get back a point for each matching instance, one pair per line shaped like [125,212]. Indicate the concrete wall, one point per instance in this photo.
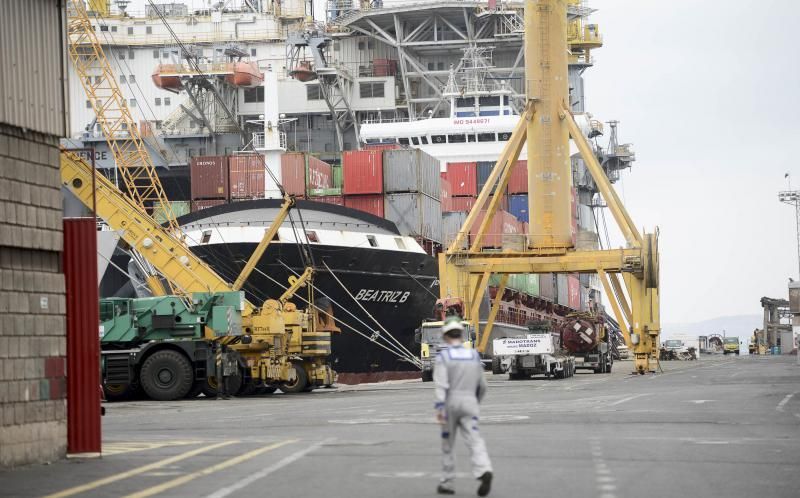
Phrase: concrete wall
[32,324]
[32,303]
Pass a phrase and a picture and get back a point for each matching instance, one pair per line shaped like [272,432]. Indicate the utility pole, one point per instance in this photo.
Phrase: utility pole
[792,198]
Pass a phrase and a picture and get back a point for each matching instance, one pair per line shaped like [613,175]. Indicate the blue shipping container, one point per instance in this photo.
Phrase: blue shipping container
[484,169]
[518,206]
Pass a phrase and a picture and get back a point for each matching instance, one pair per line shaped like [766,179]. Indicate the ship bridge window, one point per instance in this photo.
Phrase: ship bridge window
[456,139]
[466,114]
[490,113]
[372,240]
[312,236]
[471,138]
[465,102]
[424,140]
[255,94]
[400,243]
[312,92]
[371,90]
[486,137]
[506,100]
[504,137]
[415,140]
[489,101]
[402,141]
[438,139]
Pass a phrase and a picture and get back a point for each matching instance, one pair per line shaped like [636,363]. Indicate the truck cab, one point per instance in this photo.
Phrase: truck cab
[429,337]
[730,345]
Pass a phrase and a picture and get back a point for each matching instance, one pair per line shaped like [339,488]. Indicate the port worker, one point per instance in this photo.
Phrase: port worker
[227,366]
[460,387]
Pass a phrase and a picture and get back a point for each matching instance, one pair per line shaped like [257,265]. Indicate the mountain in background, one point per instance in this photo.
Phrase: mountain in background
[737,325]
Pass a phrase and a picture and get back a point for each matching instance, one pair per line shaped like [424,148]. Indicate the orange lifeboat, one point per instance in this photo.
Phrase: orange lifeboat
[303,72]
[245,74]
[166,81]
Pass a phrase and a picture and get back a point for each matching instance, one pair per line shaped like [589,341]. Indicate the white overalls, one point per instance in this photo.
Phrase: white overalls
[460,386]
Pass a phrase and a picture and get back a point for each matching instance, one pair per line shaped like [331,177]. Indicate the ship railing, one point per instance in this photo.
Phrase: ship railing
[209,37]
[259,140]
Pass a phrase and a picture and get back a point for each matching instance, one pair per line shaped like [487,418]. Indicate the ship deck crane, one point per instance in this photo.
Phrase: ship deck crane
[277,340]
[629,275]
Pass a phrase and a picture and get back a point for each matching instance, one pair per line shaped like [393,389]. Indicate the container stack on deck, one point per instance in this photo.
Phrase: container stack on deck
[209,181]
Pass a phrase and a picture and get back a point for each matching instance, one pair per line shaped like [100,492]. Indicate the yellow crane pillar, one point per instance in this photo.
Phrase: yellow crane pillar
[547,89]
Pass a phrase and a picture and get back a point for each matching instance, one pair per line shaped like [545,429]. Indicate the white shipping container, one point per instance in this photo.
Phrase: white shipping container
[411,170]
[415,214]
[451,224]
[562,289]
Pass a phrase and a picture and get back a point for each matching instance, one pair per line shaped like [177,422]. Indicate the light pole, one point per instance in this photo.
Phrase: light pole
[792,198]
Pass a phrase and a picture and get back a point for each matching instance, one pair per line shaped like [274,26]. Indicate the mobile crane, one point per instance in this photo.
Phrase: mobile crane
[629,275]
[278,345]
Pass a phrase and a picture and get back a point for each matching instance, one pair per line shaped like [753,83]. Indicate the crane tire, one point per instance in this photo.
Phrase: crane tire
[166,375]
[300,383]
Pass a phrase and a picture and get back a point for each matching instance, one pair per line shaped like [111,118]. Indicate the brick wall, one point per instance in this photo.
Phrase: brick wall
[32,323]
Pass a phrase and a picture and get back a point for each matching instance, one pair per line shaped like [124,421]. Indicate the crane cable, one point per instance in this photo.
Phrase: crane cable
[306,256]
[363,309]
[376,335]
[396,352]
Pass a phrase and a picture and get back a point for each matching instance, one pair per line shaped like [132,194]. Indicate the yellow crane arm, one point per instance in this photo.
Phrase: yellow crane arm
[295,284]
[269,235]
[164,250]
[121,131]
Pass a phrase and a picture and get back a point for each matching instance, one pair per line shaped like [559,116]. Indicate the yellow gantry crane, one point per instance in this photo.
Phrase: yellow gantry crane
[629,275]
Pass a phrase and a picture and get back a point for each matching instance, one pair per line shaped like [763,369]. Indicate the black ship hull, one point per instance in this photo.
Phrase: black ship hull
[396,289]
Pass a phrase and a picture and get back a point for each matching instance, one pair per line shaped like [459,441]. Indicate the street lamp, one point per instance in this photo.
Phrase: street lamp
[792,198]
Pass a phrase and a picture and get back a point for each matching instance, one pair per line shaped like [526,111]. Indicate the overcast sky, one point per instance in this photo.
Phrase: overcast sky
[708,94]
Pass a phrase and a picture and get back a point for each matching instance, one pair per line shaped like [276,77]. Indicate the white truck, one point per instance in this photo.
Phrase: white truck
[538,352]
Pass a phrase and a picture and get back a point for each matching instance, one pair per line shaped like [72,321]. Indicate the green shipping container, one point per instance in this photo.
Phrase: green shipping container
[337,177]
[323,192]
[179,208]
[527,283]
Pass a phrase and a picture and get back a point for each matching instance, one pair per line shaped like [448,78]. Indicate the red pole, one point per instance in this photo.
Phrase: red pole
[83,340]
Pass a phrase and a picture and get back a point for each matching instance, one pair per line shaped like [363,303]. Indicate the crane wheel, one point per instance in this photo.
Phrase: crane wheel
[119,392]
[166,376]
[266,389]
[300,381]
[195,391]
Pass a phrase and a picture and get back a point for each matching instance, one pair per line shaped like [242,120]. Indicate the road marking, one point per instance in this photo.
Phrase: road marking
[120,447]
[629,398]
[140,470]
[784,401]
[699,401]
[269,470]
[154,490]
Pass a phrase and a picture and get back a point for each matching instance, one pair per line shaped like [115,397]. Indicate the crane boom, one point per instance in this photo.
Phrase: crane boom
[162,249]
[121,131]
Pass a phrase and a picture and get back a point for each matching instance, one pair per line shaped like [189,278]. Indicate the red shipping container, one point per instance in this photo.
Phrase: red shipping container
[209,177]
[380,147]
[502,223]
[83,344]
[330,199]
[319,174]
[518,183]
[463,178]
[247,175]
[293,173]
[204,204]
[574,286]
[372,204]
[461,204]
[445,197]
[362,172]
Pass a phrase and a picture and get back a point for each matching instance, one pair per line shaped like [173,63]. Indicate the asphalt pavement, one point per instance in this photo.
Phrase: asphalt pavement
[720,426]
